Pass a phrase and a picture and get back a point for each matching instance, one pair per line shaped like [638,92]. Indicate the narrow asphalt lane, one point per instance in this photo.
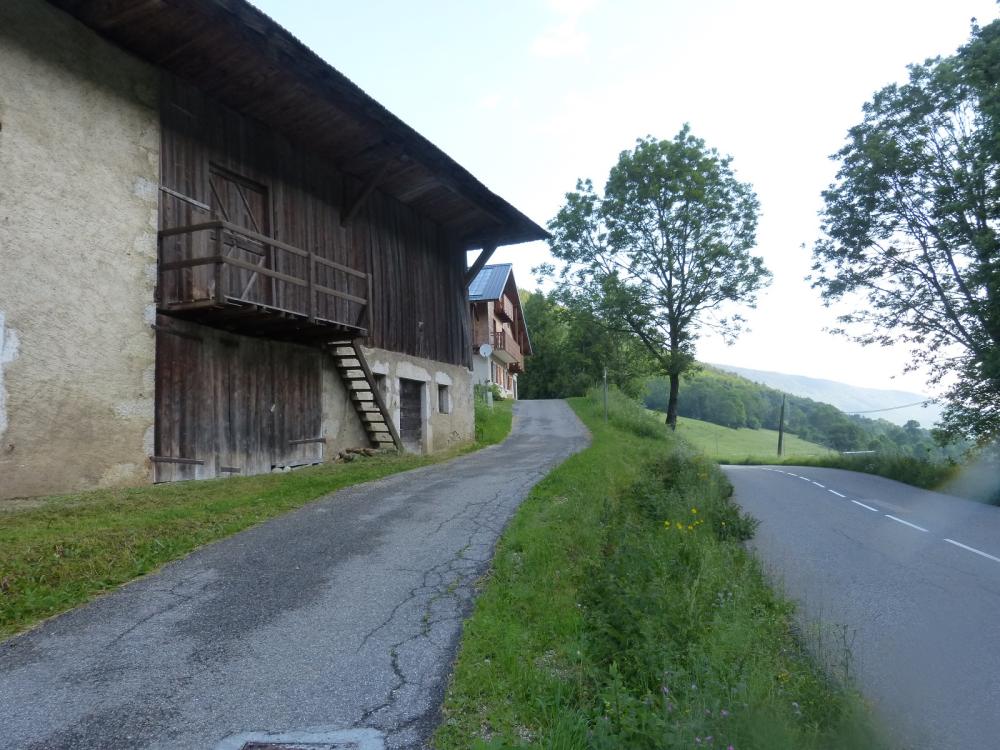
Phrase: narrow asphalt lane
[901,584]
[343,615]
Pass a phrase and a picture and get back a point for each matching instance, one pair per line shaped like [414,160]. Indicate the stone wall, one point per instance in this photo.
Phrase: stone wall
[441,430]
[79,175]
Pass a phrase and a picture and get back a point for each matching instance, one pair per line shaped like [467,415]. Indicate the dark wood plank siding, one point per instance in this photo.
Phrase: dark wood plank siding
[233,402]
[419,300]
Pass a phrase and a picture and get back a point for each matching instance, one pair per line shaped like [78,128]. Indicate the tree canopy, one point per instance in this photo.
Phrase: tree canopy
[572,347]
[910,228]
[663,250]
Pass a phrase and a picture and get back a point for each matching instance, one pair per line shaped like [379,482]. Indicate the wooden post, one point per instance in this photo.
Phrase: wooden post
[781,426]
[605,394]
[220,293]
[310,287]
[368,307]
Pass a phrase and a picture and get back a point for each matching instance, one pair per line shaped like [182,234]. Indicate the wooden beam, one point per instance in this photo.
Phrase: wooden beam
[481,260]
[369,187]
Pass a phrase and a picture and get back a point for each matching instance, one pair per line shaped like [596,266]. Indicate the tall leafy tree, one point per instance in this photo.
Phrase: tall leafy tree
[660,254]
[910,228]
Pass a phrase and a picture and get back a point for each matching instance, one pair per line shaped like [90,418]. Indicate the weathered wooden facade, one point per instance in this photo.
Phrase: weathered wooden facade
[308,255]
[500,340]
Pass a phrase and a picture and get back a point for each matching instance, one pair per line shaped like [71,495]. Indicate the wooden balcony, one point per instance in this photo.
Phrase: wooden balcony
[503,308]
[505,347]
[226,276]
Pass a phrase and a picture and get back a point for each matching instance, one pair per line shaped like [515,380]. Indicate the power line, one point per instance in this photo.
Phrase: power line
[892,408]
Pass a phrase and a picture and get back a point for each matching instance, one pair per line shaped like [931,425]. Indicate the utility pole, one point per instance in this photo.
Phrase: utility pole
[605,394]
[781,427]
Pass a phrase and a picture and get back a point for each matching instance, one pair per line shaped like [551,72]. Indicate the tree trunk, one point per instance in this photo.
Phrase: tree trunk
[675,386]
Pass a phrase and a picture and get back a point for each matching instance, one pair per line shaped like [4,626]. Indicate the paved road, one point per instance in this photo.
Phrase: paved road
[909,579]
[343,615]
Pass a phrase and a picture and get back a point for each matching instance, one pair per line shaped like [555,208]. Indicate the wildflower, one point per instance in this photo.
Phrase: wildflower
[695,511]
[723,713]
[664,689]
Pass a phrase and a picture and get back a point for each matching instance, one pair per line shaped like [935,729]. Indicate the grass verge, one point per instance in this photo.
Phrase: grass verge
[623,611]
[59,552]
[917,472]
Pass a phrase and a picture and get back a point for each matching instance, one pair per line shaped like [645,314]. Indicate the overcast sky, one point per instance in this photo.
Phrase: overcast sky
[531,95]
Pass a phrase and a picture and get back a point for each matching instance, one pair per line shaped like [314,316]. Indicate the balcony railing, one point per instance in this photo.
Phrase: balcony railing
[504,309]
[505,347]
[224,274]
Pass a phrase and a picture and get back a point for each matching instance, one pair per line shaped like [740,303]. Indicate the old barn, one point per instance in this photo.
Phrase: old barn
[218,255]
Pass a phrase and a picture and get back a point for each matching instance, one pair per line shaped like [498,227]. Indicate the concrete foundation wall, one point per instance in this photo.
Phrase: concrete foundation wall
[440,430]
[79,170]
[341,426]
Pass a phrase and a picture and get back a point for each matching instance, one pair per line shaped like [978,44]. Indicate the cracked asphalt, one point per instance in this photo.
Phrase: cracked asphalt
[343,615]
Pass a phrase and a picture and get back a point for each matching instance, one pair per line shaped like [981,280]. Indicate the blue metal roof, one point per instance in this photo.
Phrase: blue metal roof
[489,282]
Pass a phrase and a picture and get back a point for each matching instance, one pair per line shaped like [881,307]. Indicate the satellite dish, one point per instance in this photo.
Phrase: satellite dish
[485,350]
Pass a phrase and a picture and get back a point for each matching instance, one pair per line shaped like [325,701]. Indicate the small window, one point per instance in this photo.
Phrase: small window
[444,399]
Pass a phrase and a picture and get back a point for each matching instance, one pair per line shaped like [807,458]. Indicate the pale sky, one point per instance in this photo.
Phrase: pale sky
[530,95]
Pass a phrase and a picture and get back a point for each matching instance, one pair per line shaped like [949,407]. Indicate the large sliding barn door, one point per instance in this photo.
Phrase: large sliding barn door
[232,404]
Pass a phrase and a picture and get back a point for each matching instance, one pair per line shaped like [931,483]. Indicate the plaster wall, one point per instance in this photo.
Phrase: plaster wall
[79,170]
[341,426]
[440,430]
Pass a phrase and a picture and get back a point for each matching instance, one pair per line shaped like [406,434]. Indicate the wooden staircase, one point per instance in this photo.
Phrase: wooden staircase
[365,397]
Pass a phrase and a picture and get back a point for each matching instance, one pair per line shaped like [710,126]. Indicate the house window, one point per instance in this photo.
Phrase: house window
[444,399]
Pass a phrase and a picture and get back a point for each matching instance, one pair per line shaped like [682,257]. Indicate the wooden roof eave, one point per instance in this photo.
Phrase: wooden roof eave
[239,55]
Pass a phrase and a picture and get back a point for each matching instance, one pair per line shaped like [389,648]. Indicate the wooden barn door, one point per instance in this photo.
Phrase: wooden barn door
[411,410]
[233,405]
[184,431]
[245,203]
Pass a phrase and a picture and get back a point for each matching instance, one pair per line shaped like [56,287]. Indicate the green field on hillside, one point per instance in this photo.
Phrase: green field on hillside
[723,443]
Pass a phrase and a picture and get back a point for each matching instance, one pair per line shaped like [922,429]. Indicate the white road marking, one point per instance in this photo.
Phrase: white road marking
[819,485]
[805,479]
[865,506]
[836,493]
[972,549]
[911,525]
[791,475]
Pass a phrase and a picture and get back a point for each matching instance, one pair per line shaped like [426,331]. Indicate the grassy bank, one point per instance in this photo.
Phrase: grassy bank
[58,552]
[623,611]
[726,444]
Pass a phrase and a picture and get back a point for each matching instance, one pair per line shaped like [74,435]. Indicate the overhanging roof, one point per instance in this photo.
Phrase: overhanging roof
[489,283]
[240,56]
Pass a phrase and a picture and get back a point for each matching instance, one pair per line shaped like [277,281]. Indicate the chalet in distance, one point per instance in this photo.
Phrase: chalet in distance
[218,256]
[499,334]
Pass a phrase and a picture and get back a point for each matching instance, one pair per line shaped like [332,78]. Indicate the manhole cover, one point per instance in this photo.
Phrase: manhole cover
[337,739]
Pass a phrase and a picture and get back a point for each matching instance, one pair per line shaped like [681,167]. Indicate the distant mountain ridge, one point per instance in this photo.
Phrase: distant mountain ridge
[847,398]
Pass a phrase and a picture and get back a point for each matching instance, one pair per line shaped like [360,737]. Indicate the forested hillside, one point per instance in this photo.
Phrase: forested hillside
[732,401]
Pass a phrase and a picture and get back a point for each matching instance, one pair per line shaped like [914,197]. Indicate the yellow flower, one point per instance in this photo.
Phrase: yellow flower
[695,511]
